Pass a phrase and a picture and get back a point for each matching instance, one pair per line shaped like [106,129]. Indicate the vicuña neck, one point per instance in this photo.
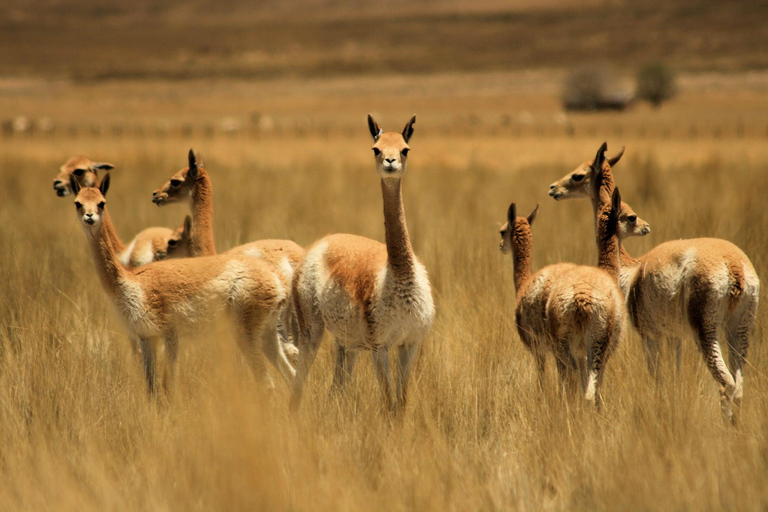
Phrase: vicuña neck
[116,242]
[600,198]
[111,271]
[202,216]
[608,246]
[399,251]
[521,258]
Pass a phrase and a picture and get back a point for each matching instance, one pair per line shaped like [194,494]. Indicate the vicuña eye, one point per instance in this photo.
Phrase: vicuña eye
[171,242]
[101,205]
[78,172]
[577,177]
[405,151]
[78,204]
[175,183]
[376,151]
[632,218]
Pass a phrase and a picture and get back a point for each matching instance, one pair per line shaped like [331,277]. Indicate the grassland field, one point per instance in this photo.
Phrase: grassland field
[77,431]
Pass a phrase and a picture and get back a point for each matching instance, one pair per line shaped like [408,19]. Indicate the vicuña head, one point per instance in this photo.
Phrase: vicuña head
[581,182]
[515,229]
[576,183]
[90,203]
[84,171]
[391,148]
[180,242]
[180,186]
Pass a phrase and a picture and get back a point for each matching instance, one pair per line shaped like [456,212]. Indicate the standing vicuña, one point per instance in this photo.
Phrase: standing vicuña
[193,184]
[574,311]
[369,295]
[681,287]
[149,245]
[169,298]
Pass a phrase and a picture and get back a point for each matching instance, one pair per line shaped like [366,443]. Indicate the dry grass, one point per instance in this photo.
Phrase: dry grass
[78,432]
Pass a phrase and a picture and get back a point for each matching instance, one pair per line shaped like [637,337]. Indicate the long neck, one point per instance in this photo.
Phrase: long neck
[521,257]
[111,271]
[202,216]
[115,241]
[601,196]
[399,251]
[608,247]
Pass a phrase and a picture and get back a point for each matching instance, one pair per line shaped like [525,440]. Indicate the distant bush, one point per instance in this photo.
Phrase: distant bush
[655,84]
[593,89]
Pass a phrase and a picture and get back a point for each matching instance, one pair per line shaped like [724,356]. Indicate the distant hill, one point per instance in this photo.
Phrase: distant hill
[84,40]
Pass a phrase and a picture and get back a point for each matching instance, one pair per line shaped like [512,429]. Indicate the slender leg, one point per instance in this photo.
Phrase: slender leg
[309,343]
[406,356]
[147,346]
[705,323]
[597,352]
[345,365]
[567,368]
[652,356]
[287,331]
[678,354]
[172,351]
[272,347]
[380,357]
[738,327]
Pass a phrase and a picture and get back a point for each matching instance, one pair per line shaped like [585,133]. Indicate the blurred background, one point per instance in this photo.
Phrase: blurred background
[474,67]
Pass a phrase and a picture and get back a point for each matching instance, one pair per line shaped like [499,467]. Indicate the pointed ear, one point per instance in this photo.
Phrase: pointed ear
[512,215]
[74,184]
[102,166]
[616,203]
[374,128]
[408,130]
[192,173]
[187,226]
[600,157]
[615,158]
[104,185]
[532,215]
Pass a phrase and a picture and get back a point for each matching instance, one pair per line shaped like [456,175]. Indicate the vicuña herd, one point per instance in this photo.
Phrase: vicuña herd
[375,296]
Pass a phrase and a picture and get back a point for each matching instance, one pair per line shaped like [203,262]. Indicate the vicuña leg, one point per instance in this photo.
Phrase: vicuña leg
[406,356]
[380,358]
[738,326]
[704,322]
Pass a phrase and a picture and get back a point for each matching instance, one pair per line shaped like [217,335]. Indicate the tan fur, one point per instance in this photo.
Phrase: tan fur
[573,311]
[196,188]
[685,286]
[147,246]
[170,298]
[369,295]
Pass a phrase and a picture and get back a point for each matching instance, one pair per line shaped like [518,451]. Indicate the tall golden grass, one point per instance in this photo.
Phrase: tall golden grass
[78,432]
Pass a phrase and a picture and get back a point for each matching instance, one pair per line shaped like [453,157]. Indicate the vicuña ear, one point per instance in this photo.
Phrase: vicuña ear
[192,173]
[104,185]
[600,157]
[74,184]
[511,216]
[374,128]
[187,226]
[102,166]
[408,130]
[532,215]
[615,158]
[616,203]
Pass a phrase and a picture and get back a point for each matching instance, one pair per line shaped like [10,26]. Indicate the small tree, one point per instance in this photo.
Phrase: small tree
[656,84]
